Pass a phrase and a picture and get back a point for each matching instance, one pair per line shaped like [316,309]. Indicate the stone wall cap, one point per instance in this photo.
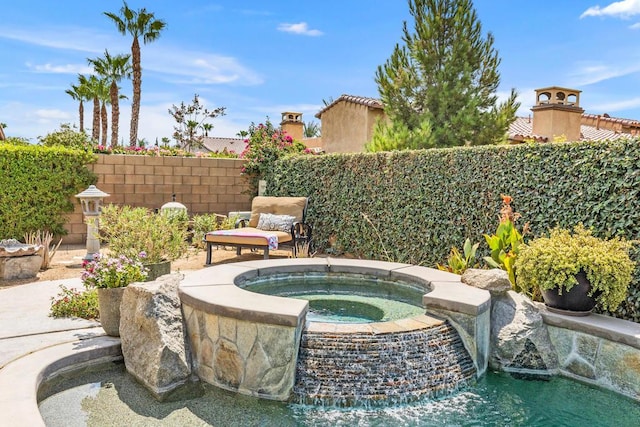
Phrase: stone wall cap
[234,302]
[607,327]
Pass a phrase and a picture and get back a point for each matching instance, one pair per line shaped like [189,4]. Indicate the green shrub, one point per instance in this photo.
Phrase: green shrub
[130,231]
[66,137]
[75,303]
[15,140]
[37,185]
[424,201]
[204,223]
[552,262]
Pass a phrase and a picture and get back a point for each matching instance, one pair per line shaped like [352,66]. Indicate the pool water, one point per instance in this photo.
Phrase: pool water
[345,298]
[108,396]
[356,309]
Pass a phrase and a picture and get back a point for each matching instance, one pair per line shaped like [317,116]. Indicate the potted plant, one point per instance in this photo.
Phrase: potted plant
[574,271]
[110,275]
[130,231]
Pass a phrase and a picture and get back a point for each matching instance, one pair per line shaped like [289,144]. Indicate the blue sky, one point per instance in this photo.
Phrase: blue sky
[259,58]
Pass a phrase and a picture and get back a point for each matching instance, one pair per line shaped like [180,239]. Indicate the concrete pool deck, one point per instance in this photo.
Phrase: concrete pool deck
[34,345]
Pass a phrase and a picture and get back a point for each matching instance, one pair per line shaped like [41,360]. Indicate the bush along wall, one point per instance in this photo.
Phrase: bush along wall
[413,206]
[37,185]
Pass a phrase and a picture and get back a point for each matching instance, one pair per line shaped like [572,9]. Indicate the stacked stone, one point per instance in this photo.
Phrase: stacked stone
[359,369]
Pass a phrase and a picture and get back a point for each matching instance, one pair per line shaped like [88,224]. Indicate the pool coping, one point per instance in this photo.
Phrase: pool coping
[21,378]
[216,289]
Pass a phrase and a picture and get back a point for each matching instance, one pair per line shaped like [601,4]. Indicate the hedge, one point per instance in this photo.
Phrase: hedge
[413,206]
[36,187]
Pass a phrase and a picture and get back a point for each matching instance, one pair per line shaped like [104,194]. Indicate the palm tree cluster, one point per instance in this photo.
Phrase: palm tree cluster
[102,88]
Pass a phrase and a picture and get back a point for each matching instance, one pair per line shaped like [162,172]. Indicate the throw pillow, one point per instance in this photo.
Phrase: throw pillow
[270,222]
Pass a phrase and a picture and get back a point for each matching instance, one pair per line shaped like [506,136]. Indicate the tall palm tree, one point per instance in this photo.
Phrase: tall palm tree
[92,86]
[113,69]
[137,24]
[79,93]
[104,97]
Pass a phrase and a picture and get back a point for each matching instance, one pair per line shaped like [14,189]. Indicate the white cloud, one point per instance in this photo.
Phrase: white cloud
[595,73]
[299,28]
[61,69]
[621,9]
[66,38]
[635,26]
[52,114]
[196,67]
[617,106]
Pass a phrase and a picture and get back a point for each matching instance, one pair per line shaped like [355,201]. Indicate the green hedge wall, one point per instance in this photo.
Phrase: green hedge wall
[420,203]
[36,187]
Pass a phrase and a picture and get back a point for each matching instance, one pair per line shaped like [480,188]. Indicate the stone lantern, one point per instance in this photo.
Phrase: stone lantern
[91,200]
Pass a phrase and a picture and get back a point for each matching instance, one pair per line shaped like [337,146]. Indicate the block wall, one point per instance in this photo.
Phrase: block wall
[203,185]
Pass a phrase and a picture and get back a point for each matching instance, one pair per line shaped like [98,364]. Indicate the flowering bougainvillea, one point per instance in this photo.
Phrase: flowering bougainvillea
[265,145]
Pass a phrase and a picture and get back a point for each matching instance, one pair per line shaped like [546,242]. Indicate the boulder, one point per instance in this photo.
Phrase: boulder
[495,280]
[520,340]
[20,267]
[154,339]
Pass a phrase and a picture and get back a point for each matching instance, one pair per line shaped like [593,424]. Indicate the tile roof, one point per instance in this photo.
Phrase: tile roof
[606,118]
[215,144]
[362,100]
[521,129]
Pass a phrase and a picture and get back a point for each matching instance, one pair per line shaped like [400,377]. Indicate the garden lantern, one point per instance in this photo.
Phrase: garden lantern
[174,209]
[91,200]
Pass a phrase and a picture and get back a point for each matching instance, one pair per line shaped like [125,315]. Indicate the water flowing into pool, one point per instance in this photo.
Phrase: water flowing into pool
[359,369]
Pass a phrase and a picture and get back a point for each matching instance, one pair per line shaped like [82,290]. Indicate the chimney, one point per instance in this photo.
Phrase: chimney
[557,113]
[292,124]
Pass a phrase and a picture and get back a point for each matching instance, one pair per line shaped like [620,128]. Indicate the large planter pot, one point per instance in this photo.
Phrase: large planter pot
[109,300]
[575,302]
[158,269]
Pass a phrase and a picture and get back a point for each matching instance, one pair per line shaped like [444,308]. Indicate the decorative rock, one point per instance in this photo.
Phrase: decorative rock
[496,281]
[20,267]
[13,248]
[154,341]
[519,338]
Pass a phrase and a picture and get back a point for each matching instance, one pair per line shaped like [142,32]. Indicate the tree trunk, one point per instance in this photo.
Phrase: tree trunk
[137,83]
[103,117]
[95,132]
[115,113]
[81,114]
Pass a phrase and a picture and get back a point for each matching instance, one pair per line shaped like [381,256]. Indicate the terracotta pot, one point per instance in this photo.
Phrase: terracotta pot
[157,270]
[575,302]
[109,300]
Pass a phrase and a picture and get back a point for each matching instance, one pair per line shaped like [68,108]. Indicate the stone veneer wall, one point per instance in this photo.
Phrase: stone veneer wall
[203,185]
[252,358]
[597,360]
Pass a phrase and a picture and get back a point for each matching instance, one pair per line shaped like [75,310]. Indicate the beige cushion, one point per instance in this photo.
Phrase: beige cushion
[247,236]
[293,206]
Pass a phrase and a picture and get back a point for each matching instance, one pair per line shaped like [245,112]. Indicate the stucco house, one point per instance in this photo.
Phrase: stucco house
[348,122]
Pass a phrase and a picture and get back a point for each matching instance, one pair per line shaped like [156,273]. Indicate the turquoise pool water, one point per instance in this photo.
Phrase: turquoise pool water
[346,298]
[110,397]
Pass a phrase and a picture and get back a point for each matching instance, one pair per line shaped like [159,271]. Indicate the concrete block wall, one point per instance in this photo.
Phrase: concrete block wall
[203,185]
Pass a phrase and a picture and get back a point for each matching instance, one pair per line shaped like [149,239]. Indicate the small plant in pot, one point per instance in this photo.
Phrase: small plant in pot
[130,231]
[110,276]
[574,271]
